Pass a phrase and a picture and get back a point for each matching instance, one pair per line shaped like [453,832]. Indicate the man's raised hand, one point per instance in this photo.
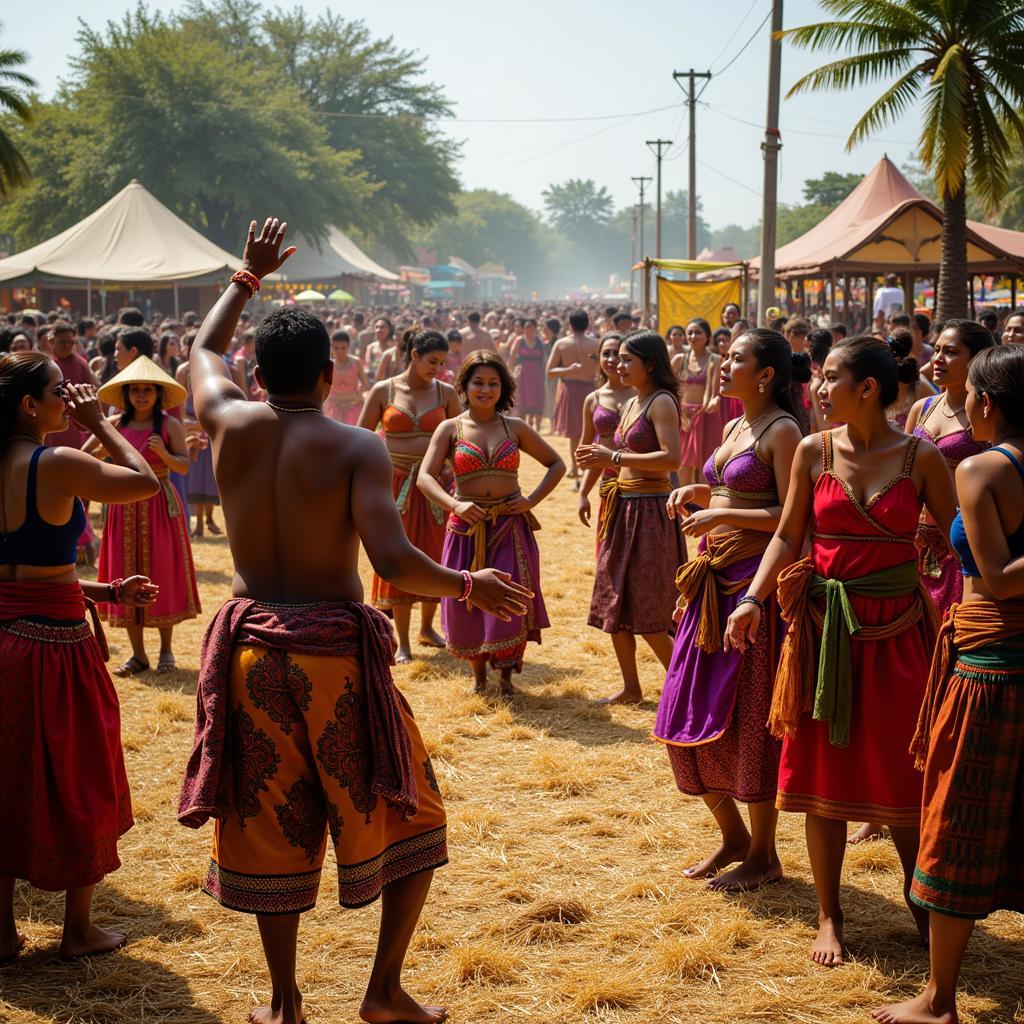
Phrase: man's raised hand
[262,254]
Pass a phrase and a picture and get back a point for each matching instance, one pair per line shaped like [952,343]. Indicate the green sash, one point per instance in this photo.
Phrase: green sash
[833,692]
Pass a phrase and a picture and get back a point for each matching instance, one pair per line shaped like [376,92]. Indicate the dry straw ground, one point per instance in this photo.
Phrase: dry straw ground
[564,899]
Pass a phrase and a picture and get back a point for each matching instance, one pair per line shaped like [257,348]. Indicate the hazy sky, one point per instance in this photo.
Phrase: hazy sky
[584,61]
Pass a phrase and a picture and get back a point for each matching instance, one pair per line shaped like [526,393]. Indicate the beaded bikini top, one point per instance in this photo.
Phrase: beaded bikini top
[955,447]
[399,422]
[744,475]
[470,460]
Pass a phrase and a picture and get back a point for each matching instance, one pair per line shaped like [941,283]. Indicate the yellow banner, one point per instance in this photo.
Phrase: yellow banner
[680,301]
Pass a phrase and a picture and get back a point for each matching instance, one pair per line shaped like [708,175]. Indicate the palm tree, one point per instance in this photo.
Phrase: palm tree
[14,171]
[965,58]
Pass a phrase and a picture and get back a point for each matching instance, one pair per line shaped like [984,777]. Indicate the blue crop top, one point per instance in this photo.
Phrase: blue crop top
[958,535]
[37,542]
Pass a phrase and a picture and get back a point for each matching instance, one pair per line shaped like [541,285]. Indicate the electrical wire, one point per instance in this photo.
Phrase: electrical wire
[741,50]
[722,174]
[796,131]
[735,32]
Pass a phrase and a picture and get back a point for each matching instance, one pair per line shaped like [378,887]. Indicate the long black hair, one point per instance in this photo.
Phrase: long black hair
[998,371]
[650,348]
[792,369]
[974,336]
[129,409]
[21,374]
[865,356]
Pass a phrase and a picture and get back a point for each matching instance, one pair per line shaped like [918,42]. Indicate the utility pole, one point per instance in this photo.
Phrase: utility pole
[632,261]
[691,102]
[770,148]
[642,182]
[656,147]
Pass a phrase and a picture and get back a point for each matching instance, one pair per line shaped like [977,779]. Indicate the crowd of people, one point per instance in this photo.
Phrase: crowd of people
[842,640]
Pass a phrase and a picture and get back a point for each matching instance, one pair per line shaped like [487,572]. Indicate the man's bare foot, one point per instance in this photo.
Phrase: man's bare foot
[622,697]
[747,877]
[94,943]
[399,1008]
[403,656]
[921,1010]
[284,1014]
[430,638]
[505,688]
[721,858]
[865,834]
[9,950]
[828,944]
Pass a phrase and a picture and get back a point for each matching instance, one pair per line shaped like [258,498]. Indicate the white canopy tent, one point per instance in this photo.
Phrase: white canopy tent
[338,257]
[132,239]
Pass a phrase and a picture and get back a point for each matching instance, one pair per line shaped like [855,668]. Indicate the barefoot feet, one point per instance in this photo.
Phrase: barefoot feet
[623,697]
[430,638]
[12,946]
[828,944]
[865,834]
[753,873]
[94,942]
[922,1010]
[279,1012]
[725,855]
[403,656]
[399,1006]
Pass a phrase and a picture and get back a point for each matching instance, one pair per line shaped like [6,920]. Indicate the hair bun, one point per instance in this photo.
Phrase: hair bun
[801,368]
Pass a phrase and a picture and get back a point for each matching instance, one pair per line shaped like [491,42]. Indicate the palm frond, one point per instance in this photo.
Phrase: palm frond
[837,35]
[857,70]
[888,107]
[945,138]
[14,171]
[900,16]
[987,161]
[15,103]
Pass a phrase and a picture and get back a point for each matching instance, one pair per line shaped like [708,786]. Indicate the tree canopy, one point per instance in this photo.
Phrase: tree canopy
[14,169]
[221,111]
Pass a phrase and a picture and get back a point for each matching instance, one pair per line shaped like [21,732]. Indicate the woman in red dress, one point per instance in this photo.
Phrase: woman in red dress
[861,628]
[64,799]
[410,407]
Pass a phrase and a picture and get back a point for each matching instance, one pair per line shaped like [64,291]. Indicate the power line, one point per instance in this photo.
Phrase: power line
[735,32]
[722,174]
[741,50]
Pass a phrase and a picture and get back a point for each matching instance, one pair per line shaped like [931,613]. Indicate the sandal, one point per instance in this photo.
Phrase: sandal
[166,664]
[132,667]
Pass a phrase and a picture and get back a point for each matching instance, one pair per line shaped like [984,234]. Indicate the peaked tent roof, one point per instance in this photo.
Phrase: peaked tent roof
[338,257]
[132,238]
[885,224]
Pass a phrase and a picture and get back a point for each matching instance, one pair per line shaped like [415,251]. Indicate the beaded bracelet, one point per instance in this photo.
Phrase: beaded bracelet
[750,599]
[114,590]
[617,458]
[468,587]
[251,281]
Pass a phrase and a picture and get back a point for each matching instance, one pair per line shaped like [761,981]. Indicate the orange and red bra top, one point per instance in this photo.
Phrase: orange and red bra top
[399,422]
[470,460]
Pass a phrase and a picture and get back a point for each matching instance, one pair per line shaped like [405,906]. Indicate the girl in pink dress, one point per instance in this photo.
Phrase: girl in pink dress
[149,538]
[345,401]
[700,421]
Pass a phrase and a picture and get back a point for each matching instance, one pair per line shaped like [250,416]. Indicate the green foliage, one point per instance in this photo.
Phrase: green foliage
[578,207]
[224,112]
[831,188]
[963,58]
[369,95]
[675,225]
[746,241]
[492,227]
[14,169]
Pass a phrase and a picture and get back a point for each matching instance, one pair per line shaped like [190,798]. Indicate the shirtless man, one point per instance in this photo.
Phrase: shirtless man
[474,336]
[573,363]
[300,491]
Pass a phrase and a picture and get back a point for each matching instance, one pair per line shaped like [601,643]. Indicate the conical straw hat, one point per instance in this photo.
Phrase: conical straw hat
[142,371]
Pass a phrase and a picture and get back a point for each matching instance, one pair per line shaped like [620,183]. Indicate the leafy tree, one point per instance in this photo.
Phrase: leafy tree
[675,225]
[578,207]
[966,59]
[831,188]
[14,170]
[215,137]
[746,241]
[370,96]
[492,227]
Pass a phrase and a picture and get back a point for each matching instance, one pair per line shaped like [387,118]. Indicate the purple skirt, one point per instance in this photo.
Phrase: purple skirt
[940,568]
[635,578]
[530,385]
[202,486]
[713,714]
[473,634]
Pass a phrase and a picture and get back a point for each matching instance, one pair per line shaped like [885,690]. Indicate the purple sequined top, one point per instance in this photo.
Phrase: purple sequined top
[745,475]
[640,438]
[956,446]
[606,421]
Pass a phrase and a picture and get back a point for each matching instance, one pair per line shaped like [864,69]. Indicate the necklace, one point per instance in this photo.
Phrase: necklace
[294,408]
[945,405]
[750,426]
